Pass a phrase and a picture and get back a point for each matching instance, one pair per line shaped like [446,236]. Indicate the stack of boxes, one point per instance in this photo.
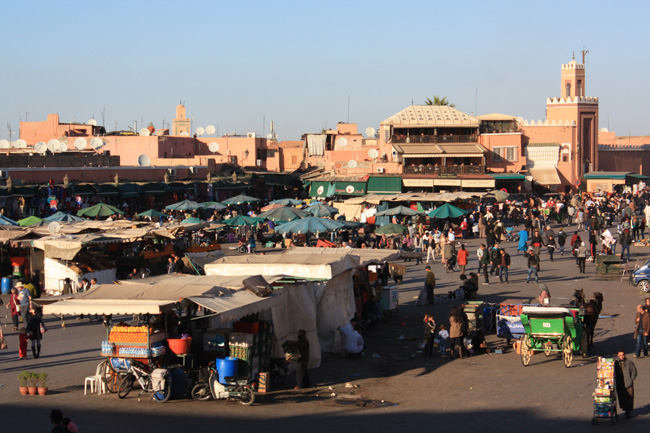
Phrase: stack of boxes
[605,394]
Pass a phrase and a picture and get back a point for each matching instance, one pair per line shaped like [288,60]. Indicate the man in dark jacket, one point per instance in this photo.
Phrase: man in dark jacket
[625,372]
[533,265]
[485,260]
[504,265]
[494,259]
[625,239]
[302,376]
[430,284]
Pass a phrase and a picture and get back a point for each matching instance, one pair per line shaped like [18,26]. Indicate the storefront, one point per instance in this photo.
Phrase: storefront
[512,182]
[384,185]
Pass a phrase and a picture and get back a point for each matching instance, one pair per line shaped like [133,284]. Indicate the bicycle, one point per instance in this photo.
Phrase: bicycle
[158,382]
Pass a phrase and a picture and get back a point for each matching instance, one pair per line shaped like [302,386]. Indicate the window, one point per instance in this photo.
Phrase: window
[294,159]
[565,158]
[568,90]
[504,154]
[580,88]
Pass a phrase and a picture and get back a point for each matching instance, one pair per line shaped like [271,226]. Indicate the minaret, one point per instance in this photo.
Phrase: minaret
[181,123]
[573,80]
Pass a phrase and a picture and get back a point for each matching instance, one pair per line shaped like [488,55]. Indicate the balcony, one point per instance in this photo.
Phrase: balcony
[452,169]
[428,139]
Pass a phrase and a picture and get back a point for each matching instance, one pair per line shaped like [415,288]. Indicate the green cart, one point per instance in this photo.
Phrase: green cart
[552,329]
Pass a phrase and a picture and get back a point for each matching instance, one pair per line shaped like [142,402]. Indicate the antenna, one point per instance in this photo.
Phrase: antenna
[209,129]
[80,143]
[584,54]
[348,108]
[370,132]
[144,132]
[144,161]
[199,131]
[54,227]
[96,143]
[52,145]
[214,147]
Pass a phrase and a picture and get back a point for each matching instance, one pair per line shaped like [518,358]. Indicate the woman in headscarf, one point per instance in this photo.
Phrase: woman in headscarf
[523,240]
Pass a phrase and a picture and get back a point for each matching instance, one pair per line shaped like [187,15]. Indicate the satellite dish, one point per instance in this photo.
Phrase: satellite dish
[40,147]
[604,129]
[184,134]
[20,144]
[96,143]
[210,129]
[144,132]
[144,161]
[92,122]
[4,144]
[342,142]
[352,163]
[520,120]
[200,131]
[80,143]
[269,136]
[63,147]
[370,132]
[214,147]
[373,153]
[52,144]
[54,227]
[56,147]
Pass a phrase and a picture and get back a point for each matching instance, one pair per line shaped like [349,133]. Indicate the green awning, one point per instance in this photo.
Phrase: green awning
[83,189]
[638,177]
[607,175]
[229,185]
[130,190]
[350,188]
[508,176]
[154,188]
[384,185]
[321,189]
[107,190]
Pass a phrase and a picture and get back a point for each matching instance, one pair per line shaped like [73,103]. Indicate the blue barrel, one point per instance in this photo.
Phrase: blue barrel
[6,285]
[226,368]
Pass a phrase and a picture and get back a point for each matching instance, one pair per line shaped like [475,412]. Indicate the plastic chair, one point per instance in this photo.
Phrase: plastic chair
[96,382]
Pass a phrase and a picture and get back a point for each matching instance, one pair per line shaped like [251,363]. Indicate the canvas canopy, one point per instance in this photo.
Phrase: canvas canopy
[366,256]
[308,265]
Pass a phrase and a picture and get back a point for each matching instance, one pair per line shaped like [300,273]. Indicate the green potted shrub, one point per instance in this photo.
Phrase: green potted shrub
[23,380]
[42,383]
[32,383]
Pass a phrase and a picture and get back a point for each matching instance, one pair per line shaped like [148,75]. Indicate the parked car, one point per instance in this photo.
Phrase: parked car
[641,277]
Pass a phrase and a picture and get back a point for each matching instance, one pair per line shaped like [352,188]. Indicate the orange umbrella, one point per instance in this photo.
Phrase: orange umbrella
[271,207]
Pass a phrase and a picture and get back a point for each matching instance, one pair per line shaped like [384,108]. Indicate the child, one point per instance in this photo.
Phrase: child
[22,347]
[443,336]
[72,427]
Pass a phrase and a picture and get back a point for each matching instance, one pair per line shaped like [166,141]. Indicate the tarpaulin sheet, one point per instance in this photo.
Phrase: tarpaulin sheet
[236,305]
[367,256]
[316,144]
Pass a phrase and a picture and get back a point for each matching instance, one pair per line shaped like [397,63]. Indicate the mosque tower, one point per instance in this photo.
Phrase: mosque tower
[181,123]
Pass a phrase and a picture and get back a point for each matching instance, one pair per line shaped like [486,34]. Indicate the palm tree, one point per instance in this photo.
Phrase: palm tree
[437,100]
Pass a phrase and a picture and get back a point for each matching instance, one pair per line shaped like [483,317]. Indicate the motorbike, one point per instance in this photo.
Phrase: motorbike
[235,388]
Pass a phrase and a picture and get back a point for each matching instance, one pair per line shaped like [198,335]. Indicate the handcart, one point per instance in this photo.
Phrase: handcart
[509,324]
[605,393]
[552,329]
[397,271]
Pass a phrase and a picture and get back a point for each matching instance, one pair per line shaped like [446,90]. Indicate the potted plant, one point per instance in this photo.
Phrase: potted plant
[42,383]
[23,377]
[32,383]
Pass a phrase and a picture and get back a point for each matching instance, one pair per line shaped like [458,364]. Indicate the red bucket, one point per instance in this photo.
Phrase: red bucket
[179,346]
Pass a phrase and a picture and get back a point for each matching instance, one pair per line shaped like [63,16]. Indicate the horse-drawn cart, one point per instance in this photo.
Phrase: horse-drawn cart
[553,329]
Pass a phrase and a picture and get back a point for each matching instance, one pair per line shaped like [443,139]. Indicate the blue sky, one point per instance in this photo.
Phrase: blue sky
[236,63]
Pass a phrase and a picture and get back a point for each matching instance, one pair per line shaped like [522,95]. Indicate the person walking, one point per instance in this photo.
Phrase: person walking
[533,265]
[581,255]
[494,259]
[34,331]
[504,265]
[429,333]
[456,332]
[549,238]
[12,305]
[25,299]
[431,248]
[484,261]
[479,255]
[462,257]
[625,373]
[625,240]
[641,330]
[561,241]
[430,284]
[536,242]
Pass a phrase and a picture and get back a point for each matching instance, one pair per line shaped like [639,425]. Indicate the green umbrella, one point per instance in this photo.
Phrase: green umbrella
[191,220]
[101,210]
[321,210]
[213,205]
[242,220]
[184,205]
[309,225]
[29,221]
[501,196]
[240,199]
[391,229]
[283,213]
[150,213]
[399,210]
[287,202]
[447,211]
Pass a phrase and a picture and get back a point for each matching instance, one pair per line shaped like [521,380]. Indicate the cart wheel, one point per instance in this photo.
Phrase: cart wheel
[548,346]
[526,351]
[584,343]
[126,386]
[112,378]
[247,397]
[166,391]
[201,392]
[567,351]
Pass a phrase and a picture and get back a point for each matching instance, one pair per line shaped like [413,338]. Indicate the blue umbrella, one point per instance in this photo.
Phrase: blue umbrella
[287,202]
[7,221]
[309,225]
[321,210]
[63,217]
[184,205]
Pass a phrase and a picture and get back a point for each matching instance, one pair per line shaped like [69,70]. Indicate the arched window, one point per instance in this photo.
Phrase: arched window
[568,90]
